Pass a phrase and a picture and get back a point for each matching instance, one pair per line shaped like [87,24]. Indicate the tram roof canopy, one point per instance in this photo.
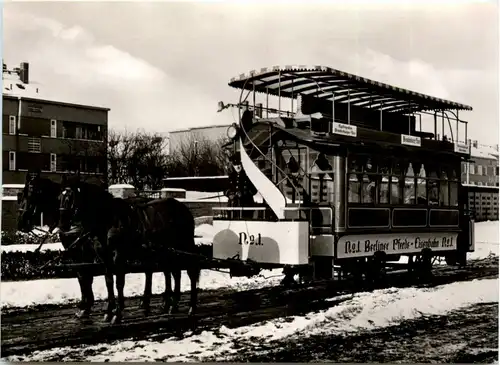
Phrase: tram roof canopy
[325,82]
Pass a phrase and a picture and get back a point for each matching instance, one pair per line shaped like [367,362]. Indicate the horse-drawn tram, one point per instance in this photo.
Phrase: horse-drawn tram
[350,181]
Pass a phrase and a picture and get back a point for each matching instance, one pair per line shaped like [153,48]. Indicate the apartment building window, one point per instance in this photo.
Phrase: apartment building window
[53,162]
[479,170]
[12,124]
[472,169]
[53,128]
[34,145]
[82,131]
[12,160]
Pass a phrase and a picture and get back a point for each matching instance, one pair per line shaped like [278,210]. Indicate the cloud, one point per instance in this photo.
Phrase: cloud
[71,65]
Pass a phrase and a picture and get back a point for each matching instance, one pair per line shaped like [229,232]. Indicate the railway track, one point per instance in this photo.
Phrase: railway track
[44,327]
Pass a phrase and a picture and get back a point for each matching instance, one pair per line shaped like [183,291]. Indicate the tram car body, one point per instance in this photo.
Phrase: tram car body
[346,175]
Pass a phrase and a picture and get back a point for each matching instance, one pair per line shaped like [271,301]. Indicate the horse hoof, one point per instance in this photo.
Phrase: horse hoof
[116,319]
[107,317]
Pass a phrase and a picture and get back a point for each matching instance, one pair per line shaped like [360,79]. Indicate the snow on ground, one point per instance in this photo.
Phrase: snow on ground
[378,309]
[487,237]
[59,291]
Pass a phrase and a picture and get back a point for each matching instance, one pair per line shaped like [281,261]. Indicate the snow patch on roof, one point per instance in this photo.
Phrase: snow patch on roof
[484,151]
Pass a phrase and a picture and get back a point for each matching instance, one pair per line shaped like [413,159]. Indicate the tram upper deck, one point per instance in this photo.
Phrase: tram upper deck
[355,147]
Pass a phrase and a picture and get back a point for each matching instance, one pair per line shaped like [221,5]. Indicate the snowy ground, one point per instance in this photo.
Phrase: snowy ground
[28,293]
[362,311]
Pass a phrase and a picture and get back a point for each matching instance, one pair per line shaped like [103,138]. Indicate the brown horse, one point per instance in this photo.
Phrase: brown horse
[155,231]
[41,195]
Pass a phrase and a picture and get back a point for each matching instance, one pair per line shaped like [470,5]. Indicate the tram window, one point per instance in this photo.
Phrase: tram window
[453,193]
[395,190]
[443,189]
[433,191]
[354,187]
[368,189]
[384,190]
[384,168]
[321,179]
[409,188]
[421,184]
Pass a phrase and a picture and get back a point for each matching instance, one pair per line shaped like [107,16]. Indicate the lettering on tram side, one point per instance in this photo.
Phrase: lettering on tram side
[348,246]
[246,239]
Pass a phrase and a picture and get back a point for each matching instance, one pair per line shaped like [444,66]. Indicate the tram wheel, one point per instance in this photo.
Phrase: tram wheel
[423,265]
[376,269]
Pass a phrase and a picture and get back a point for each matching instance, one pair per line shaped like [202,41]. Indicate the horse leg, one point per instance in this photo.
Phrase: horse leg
[86,281]
[176,273]
[81,305]
[194,277]
[120,285]
[146,299]
[167,294]
[111,294]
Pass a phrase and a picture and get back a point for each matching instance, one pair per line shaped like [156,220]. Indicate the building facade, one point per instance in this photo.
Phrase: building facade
[52,136]
[483,171]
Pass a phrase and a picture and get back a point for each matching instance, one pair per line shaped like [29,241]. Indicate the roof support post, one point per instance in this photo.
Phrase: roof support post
[267,102]
[279,93]
[349,106]
[381,119]
[435,125]
[420,119]
[333,111]
[409,117]
[466,132]
[253,97]
[442,124]
[292,107]
[457,119]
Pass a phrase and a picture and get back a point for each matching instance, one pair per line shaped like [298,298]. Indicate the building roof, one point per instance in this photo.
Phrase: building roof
[485,152]
[324,82]
[14,88]
[198,128]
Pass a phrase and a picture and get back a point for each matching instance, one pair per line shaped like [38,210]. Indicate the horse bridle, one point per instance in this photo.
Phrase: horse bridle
[29,194]
[68,203]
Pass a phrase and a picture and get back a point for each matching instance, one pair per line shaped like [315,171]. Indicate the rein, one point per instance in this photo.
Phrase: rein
[81,237]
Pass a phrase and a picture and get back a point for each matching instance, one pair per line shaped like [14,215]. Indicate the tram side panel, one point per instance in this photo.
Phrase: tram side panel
[263,242]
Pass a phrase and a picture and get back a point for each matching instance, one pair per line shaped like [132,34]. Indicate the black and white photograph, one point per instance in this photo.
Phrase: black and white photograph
[250,181]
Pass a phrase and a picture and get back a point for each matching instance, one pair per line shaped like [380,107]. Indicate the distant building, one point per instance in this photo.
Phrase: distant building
[211,133]
[483,171]
[51,135]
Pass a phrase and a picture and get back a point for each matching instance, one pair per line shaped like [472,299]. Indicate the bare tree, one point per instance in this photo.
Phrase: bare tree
[138,158]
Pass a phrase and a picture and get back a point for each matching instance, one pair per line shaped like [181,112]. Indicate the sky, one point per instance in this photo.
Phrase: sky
[163,66]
